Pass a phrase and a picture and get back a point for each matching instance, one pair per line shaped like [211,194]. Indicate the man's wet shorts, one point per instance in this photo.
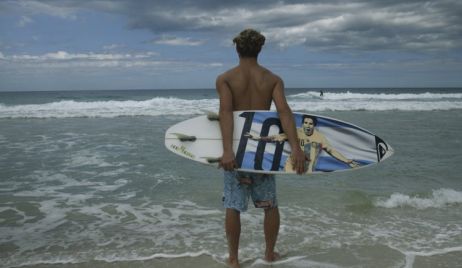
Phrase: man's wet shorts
[239,186]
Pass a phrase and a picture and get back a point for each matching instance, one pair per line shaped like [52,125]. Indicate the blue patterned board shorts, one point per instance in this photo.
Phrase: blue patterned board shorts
[236,194]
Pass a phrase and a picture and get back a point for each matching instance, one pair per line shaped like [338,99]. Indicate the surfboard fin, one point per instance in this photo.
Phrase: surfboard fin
[183,137]
[212,160]
[213,116]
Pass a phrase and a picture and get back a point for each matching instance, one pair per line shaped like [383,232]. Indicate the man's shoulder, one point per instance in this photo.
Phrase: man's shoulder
[229,72]
[267,72]
[227,75]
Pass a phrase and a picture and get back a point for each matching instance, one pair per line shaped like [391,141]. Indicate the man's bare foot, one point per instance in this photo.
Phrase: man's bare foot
[271,257]
[233,263]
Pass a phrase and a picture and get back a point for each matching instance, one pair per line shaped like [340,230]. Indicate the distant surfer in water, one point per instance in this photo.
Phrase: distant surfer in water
[250,86]
[312,142]
[321,93]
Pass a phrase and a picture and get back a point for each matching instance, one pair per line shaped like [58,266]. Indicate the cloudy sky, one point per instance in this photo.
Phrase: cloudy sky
[126,44]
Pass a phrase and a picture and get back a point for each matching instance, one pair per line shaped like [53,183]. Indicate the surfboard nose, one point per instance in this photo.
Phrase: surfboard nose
[388,152]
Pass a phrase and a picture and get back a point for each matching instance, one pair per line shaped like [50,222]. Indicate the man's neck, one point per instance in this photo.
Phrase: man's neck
[247,61]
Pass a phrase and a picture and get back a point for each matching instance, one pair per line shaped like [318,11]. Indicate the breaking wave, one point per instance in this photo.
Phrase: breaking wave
[438,199]
[309,102]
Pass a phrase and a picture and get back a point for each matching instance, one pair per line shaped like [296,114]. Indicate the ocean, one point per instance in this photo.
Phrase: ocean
[85,181]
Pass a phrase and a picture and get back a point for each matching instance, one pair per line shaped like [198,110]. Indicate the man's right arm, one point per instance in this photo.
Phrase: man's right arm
[288,125]
[226,123]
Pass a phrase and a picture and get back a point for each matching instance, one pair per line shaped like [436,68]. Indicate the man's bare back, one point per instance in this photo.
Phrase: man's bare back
[251,86]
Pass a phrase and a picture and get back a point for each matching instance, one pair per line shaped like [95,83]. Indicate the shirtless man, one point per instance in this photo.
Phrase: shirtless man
[249,86]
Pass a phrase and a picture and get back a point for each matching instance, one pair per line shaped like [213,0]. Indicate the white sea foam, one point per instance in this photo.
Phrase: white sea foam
[184,228]
[381,96]
[176,106]
[295,261]
[410,255]
[70,108]
[90,158]
[50,261]
[368,105]
[109,258]
[135,257]
[165,227]
[436,251]
[439,198]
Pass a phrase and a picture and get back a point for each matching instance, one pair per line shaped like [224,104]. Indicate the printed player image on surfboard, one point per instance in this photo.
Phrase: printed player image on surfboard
[261,146]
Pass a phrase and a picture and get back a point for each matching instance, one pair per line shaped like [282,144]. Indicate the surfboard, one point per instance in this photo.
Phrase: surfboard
[261,146]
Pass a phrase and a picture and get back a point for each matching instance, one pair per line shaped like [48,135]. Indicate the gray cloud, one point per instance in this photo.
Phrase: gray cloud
[327,25]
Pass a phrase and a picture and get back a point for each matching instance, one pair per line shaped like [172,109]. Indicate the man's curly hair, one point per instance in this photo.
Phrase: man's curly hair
[249,43]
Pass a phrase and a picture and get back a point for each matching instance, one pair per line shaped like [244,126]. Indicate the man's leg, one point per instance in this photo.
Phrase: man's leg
[233,232]
[271,226]
[235,201]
